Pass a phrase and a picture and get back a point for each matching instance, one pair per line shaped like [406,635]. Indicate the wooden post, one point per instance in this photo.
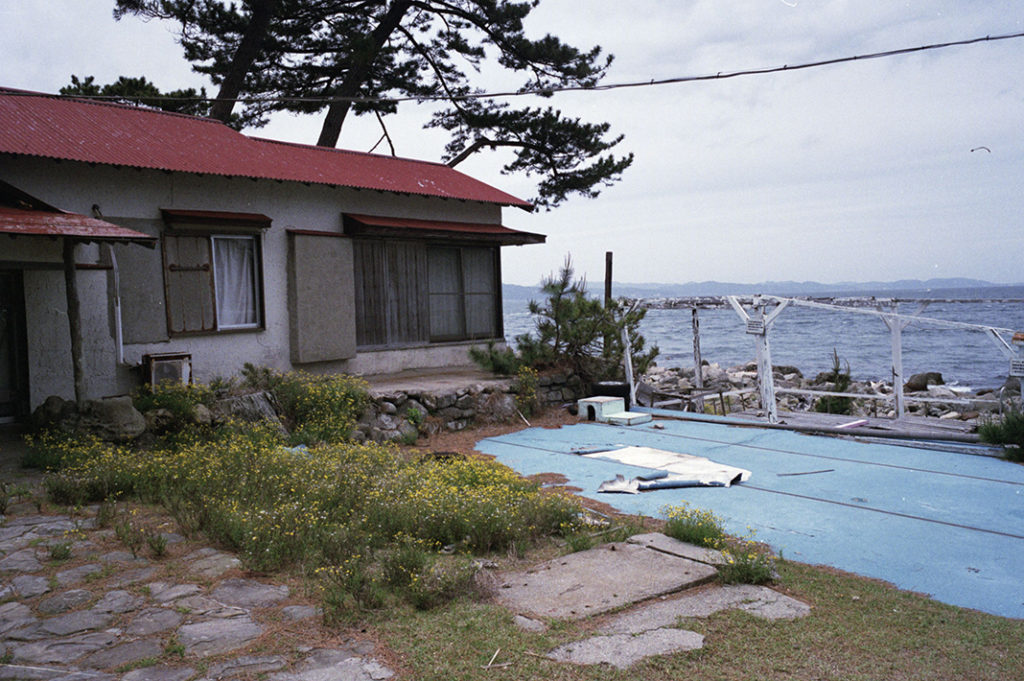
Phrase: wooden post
[896,335]
[765,379]
[607,278]
[74,321]
[698,368]
[758,327]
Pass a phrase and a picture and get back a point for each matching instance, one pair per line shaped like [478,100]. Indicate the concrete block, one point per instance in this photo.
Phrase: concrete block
[628,418]
[598,408]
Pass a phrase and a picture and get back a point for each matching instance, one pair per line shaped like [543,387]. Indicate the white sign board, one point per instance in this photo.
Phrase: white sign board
[1017,367]
[755,326]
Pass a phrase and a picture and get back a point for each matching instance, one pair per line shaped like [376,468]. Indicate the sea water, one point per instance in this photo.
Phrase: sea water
[806,337]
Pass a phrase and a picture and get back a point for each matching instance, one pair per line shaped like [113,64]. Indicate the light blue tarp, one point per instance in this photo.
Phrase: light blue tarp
[945,524]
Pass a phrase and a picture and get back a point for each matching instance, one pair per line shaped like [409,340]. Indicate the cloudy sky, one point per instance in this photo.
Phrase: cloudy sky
[853,172]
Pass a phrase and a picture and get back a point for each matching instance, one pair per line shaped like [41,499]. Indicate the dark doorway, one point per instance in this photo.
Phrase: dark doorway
[13,348]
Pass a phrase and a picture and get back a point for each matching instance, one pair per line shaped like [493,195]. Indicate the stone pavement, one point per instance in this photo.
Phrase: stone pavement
[652,580]
[103,615]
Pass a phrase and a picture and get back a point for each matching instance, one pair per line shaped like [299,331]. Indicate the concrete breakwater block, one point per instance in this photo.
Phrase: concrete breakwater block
[598,580]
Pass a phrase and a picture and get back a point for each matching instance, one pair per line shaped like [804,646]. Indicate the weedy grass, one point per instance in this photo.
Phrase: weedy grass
[354,517]
[858,630]
[745,560]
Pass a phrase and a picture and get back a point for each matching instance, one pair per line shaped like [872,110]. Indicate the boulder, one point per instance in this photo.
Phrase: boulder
[202,415]
[114,419]
[159,420]
[496,408]
[53,410]
[254,407]
[920,382]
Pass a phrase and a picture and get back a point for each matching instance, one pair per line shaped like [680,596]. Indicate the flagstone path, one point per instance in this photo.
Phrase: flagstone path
[103,615]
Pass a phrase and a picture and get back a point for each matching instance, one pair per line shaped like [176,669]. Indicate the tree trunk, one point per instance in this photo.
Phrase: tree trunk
[358,73]
[263,11]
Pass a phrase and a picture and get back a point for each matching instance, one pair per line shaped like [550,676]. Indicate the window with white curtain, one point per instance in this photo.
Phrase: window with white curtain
[212,282]
[234,277]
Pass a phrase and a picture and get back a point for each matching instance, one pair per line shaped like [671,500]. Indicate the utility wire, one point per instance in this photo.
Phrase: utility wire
[547,91]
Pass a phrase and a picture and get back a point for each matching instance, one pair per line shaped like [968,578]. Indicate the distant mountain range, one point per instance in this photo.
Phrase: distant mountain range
[790,288]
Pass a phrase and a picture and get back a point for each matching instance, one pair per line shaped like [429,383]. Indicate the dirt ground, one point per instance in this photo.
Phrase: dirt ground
[464,442]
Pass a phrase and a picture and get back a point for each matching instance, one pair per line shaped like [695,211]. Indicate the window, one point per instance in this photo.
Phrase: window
[413,293]
[212,282]
[234,278]
[463,293]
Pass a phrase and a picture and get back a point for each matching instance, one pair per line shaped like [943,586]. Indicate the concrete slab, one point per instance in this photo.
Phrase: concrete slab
[433,380]
[625,650]
[674,547]
[598,580]
[628,418]
[759,601]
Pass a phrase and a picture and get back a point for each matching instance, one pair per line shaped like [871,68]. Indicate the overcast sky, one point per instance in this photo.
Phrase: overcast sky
[852,172]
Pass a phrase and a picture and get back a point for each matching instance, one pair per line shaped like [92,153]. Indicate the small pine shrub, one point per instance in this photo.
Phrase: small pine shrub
[1008,431]
[841,379]
[503,362]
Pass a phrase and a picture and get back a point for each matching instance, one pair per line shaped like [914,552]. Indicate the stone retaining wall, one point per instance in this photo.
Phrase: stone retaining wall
[404,414]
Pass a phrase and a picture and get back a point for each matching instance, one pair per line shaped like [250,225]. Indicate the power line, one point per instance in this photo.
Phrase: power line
[721,75]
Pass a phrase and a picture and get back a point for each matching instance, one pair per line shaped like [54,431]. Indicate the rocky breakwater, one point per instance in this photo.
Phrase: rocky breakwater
[736,389]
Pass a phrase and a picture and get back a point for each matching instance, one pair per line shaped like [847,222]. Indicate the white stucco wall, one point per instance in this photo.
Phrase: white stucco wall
[137,194]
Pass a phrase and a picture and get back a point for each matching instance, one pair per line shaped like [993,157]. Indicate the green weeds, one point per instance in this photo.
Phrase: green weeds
[693,525]
[1007,431]
[744,560]
[322,507]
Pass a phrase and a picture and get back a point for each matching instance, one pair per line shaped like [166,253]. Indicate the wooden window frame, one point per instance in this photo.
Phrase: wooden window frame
[209,235]
[381,309]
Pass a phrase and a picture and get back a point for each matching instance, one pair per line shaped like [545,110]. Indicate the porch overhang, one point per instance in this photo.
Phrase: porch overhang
[489,233]
[37,223]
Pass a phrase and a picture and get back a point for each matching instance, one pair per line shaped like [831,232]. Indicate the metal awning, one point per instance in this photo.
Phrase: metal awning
[54,224]
[493,233]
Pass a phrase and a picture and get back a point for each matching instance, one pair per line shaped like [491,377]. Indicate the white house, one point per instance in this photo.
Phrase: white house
[187,245]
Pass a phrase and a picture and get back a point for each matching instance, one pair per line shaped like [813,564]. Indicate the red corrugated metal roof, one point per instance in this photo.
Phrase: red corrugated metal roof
[34,124]
[369,224]
[20,221]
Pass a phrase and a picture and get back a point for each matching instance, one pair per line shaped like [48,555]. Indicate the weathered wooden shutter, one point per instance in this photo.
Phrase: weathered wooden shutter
[188,278]
[479,281]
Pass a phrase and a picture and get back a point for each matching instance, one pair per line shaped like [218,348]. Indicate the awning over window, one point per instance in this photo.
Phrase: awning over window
[33,222]
[374,225]
[216,218]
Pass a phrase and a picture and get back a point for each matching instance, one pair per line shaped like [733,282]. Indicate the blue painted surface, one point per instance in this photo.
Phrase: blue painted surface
[948,525]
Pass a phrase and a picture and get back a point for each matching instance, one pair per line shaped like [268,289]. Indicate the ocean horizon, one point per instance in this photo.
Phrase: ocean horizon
[806,337]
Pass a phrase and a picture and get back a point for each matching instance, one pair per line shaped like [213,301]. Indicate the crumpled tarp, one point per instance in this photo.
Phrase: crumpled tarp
[670,469]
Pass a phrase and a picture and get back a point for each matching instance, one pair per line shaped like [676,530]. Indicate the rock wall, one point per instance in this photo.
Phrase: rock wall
[403,415]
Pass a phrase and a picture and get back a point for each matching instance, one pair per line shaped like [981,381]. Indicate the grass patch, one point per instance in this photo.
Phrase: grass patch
[693,525]
[365,521]
[858,630]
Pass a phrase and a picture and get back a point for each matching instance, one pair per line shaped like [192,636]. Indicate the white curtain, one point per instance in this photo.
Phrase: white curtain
[234,270]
